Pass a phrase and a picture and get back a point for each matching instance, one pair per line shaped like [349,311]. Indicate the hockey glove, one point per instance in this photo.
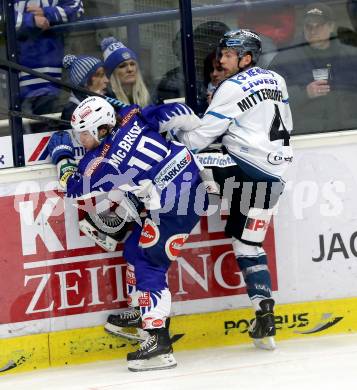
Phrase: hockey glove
[60,146]
[166,117]
[65,169]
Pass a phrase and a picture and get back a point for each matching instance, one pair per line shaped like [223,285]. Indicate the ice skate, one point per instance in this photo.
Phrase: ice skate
[155,353]
[126,324]
[262,329]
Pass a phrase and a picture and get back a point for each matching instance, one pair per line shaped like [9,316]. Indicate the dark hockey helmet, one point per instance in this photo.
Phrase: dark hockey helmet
[244,41]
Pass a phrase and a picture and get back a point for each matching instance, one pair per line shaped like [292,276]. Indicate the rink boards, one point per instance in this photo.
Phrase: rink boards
[57,288]
[195,331]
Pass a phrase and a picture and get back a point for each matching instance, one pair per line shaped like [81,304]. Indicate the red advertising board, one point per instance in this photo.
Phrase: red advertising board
[49,269]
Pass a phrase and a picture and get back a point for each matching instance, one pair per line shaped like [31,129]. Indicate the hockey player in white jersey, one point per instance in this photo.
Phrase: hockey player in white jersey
[250,111]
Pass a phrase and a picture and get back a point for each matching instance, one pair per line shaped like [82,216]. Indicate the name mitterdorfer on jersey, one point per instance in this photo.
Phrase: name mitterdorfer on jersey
[259,96]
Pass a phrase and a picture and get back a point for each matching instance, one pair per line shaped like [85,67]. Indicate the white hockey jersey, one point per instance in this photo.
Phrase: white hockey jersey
[251,110]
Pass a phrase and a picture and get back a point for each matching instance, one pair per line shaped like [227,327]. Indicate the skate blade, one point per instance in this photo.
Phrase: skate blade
[126,333]
[161,362]
[108,244]
[267,343]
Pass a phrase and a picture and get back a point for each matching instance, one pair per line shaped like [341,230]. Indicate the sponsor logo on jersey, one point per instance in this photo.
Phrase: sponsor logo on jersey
[173,168]
[256,224]
[130,277]
[129,116]
[174,245]
[144,299]
[97,161]
[215,160]
[150,234]
[157,323]
[278,158]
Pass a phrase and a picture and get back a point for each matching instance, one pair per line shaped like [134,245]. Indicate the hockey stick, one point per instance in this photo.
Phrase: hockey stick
[21,68]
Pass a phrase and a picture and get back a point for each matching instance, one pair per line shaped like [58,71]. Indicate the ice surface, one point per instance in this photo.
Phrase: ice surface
[303,364]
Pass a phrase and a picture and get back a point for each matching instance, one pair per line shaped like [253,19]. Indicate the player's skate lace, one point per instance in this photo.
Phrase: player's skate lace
[148,343]
[129,314]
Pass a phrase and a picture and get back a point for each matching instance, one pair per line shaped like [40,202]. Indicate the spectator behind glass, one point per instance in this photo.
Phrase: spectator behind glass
[172,86]
[87,72]
[321,76]
[213,75]
[122,69]
[40,49]
[275,25]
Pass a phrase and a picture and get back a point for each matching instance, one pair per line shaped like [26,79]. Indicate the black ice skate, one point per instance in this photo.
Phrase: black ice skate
[262,329]
[155,352]
[126,324]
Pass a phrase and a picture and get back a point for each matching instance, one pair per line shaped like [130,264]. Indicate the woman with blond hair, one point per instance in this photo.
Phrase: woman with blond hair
[122,69]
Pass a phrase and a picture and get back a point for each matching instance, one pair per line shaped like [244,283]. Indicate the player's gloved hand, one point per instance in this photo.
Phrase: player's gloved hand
[171,116]
[60,146]
[210,185]
[65,169]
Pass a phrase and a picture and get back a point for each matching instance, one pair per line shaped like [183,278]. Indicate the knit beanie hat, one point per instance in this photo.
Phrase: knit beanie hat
[114,53]
[81,68]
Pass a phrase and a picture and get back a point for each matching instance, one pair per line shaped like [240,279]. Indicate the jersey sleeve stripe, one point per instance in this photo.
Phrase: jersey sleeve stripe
[218,115]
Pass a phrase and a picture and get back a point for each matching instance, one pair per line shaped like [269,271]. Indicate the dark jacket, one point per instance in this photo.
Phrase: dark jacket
[336,110]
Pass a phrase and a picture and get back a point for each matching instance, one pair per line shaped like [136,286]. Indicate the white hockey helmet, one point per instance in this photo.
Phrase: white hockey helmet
[92,113]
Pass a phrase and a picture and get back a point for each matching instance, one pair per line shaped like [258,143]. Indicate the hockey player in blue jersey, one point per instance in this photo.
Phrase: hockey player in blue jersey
[250,112]
[127,154]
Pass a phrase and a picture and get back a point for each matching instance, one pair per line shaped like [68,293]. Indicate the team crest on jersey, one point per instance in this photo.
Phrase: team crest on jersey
[150,234]
[174,245]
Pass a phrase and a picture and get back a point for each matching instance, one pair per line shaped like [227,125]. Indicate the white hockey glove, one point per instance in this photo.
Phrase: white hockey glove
[210,185]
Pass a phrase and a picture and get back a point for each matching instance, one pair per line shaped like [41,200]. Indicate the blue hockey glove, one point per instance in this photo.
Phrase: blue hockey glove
[60,146]
[170,116]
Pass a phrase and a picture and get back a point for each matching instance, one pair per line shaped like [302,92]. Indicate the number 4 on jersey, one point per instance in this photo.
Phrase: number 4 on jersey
[278,129]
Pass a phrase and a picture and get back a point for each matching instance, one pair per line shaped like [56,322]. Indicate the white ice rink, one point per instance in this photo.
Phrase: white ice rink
[313,363]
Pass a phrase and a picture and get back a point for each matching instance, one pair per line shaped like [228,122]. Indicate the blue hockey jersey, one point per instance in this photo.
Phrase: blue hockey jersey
[136,158]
